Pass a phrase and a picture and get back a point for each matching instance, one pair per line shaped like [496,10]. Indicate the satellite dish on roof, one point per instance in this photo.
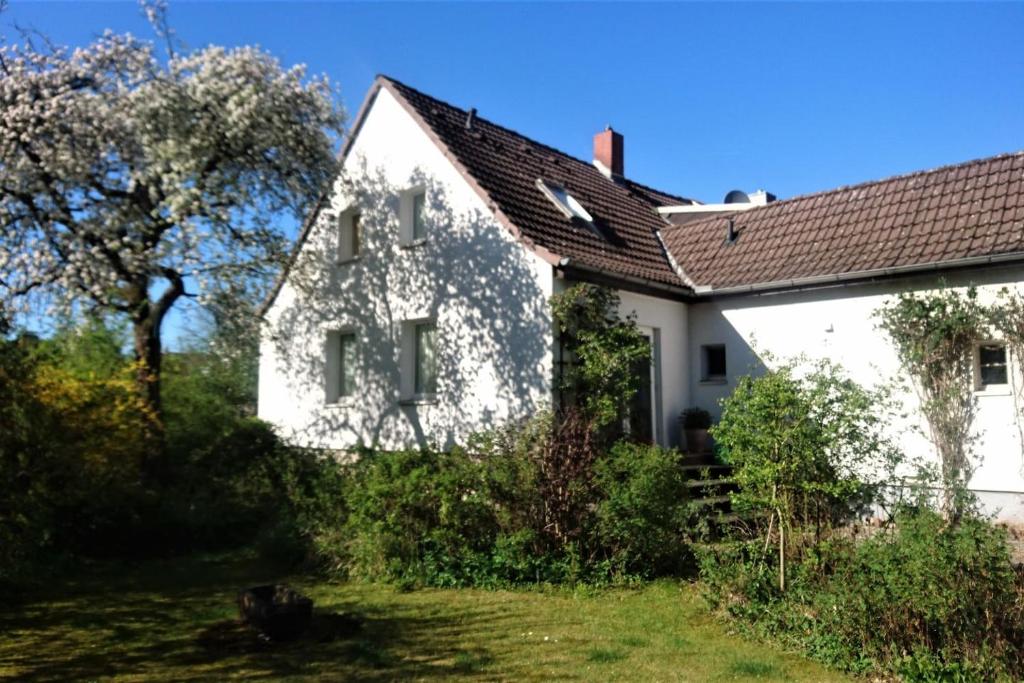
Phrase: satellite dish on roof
[737,197]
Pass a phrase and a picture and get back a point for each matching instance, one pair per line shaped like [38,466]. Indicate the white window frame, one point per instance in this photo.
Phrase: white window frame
[563,201]
[334,366]
[992,389]
[705,376]
[409,362]
[349,245]
[406,217]
[569,206]
[420,388]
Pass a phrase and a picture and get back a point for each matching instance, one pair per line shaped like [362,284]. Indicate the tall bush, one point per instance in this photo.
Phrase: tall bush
[417,516]
[806,450]
[70,451]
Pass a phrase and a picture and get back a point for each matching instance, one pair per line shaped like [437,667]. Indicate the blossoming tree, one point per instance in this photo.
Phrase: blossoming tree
[130,179]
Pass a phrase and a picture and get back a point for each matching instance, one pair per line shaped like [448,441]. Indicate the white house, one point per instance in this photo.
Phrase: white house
[415,309]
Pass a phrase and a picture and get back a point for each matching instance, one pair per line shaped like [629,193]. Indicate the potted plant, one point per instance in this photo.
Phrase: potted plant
[695,425]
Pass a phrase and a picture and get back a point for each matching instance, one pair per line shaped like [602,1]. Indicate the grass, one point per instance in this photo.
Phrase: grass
[161,621]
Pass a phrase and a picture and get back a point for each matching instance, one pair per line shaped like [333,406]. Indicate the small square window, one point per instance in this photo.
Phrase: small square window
[713,367]
[426,360]
[992,365]
[350,235]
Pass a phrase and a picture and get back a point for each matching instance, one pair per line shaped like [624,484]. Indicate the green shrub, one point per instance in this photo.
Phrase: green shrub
[510,508]
[70,454]
[71,459]
[807,449]
[417,517]
[933,598]
[643,513]
[925,601]
[309,526]
[26,483]
[607,356]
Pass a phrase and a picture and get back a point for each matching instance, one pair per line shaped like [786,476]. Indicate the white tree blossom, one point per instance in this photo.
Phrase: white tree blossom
[125,178]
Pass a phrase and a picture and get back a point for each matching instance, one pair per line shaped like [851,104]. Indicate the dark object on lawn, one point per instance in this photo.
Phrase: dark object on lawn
[232,637]
[330,626]
[276,611]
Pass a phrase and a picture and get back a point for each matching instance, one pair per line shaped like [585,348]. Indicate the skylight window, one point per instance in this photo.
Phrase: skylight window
[564,201]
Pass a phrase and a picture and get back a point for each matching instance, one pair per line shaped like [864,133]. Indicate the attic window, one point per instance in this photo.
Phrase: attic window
[565,202]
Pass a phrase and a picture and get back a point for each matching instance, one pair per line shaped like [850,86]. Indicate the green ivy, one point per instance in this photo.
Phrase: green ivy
[603,350]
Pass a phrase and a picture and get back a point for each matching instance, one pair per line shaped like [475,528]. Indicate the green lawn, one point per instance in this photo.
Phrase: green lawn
[172,621]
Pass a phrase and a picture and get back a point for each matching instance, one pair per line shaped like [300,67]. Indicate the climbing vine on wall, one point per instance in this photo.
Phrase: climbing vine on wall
[605,350]
[935,334]
[1006,317]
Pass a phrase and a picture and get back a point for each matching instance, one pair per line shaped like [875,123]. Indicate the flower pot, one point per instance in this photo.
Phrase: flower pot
[696,440]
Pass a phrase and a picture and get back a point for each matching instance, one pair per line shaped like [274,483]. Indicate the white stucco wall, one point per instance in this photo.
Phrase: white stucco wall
[486,292]
[838,323]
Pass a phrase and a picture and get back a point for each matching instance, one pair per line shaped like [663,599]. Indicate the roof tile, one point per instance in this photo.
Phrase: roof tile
[967,210]
[625,208]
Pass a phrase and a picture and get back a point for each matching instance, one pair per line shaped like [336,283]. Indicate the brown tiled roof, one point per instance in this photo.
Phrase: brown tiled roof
[507,165]
[970,210]
[973,210]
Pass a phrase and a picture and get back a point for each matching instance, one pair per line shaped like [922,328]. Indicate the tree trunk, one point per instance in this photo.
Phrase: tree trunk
[147,319]
[146,338]
[782,555]
[148,356]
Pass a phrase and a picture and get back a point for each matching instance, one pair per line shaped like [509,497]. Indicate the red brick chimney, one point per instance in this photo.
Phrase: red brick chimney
[608,151]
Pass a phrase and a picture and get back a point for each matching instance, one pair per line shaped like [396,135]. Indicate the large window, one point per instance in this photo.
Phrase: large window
[991,365]
[712,363]
[426,360]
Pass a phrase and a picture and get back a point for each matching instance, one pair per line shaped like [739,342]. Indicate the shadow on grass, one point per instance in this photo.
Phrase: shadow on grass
[179,623]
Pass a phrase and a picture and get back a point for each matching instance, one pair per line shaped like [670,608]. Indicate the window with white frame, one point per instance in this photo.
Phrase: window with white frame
[350,235]
[413,218]
[569,206]
[991,365]
[564,201]
[425,359]
[712,363]
[341,365]
[419,222]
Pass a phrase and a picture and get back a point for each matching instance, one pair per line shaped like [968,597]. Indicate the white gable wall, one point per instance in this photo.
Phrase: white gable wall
[486,293]
[838,323]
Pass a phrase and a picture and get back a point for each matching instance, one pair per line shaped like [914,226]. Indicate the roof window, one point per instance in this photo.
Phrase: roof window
[564,201]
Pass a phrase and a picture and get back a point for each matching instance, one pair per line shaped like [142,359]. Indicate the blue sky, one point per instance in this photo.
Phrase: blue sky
[791,98]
